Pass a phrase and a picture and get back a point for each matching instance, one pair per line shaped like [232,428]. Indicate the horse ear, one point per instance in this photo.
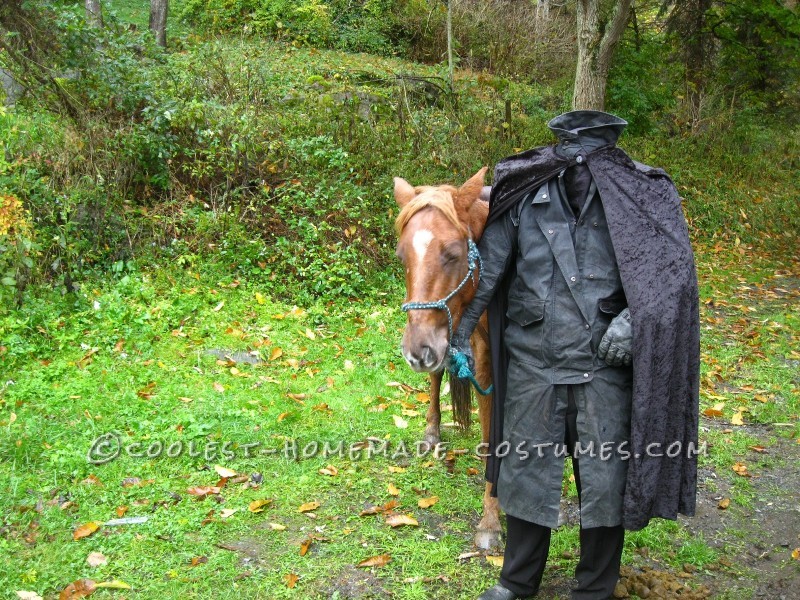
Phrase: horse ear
[471,190]
[403,191]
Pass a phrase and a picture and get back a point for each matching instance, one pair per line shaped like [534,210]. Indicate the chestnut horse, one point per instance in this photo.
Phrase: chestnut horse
[437,227]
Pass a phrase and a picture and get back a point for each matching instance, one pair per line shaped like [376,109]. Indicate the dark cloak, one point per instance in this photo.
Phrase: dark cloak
[651,242]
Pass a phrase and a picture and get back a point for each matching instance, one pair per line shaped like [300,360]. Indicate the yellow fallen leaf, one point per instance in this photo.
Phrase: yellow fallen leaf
[308,506]
[277,527]
[392,489]
[226,513]
[393,469]
[796,554]
[497,561]
[375,561]
[224,472]
[115,584]
[291,580]
[737,419]
[400,422]
[85,530]
[305,545]
[400,520]
[330,470]
[724,503]
[257,506]
[259,298]
[276,353]
[310,334]
[427,502]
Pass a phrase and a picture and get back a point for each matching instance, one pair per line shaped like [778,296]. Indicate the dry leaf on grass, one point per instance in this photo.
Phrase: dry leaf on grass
[400,520]
[257,506]
[85,530]
[79,588]
[375,561]
[308,507]
[96,559]
[427,502]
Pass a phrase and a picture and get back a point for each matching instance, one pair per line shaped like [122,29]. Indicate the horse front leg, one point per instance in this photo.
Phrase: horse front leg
[433,418]
[487,536]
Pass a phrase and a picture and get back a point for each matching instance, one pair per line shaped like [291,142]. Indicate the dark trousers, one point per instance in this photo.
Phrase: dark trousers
[527,545]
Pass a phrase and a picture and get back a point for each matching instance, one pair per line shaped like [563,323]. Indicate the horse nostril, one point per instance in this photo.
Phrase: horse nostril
[427,356]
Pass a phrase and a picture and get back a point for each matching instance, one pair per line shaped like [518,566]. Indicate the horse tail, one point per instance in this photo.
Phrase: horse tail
[461,395]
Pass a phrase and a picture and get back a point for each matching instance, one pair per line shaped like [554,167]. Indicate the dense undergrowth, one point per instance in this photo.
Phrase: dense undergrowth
[272,160]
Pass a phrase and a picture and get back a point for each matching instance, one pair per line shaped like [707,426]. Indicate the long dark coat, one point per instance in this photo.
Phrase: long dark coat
[656,264]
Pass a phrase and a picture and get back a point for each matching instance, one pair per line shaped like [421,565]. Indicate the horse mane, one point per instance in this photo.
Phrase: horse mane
[434,197]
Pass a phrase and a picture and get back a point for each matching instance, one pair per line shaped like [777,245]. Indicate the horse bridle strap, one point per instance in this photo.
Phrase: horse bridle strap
[473,262]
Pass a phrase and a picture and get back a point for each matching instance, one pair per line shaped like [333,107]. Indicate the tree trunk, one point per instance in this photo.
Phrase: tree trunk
[158,20]
[542,17]
[596,41]
[94,13]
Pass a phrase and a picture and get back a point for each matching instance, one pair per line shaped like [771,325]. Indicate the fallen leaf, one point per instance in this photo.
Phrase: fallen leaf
[740,469]
[468,555]
[737,419]
[291,580]
[472,471]
[25,595]
[198,560]
[310,334]
[226,513]
[796,554]
[260,298]
[115,584]
[96,559]
[277,527]
[400,422]
[374,561]
[724,503]
[400,520]
[219,306]
[393,469]
[223,472]
[497,561]
[276,353]
[85,530]
[305,545]
[330,470]
[78,589]
[308,506]
[759,449]
[201,491]
[427,502]
[257,506]
[218,386]
[392,489]
[121,510]
[374,510]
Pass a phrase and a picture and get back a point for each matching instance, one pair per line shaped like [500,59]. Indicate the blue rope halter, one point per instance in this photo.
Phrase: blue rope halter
[459,366]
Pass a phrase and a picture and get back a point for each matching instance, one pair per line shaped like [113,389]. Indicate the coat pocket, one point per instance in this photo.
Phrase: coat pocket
[613,305]
[525,311]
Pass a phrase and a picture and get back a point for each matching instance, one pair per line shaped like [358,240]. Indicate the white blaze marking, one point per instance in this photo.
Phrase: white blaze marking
[421,241]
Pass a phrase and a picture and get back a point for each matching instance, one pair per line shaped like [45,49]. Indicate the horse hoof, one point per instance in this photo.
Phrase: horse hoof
[487,539]
[430,442]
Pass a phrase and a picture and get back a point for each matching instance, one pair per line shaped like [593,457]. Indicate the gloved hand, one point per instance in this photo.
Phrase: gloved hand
[615,347]
[459,344]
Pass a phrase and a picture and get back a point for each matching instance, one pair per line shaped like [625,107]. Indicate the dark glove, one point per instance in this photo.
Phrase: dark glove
[459,344]
[615,347]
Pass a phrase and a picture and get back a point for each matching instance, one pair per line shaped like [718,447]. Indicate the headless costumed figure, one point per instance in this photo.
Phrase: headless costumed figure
[590,284]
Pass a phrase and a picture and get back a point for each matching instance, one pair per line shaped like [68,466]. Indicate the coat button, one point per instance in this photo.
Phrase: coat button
[550,231]
[544,196]
[591,275]
[594,224]
[579,159]
[586,326]
[586,376]
[573,278]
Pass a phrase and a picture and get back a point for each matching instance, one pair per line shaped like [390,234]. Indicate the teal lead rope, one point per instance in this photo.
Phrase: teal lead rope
[458,361]
[459,367]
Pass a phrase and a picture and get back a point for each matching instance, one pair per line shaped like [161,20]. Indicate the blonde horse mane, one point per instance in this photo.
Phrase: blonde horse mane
[435,197]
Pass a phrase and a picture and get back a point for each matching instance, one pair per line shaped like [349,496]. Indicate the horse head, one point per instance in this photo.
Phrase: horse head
[435,228]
